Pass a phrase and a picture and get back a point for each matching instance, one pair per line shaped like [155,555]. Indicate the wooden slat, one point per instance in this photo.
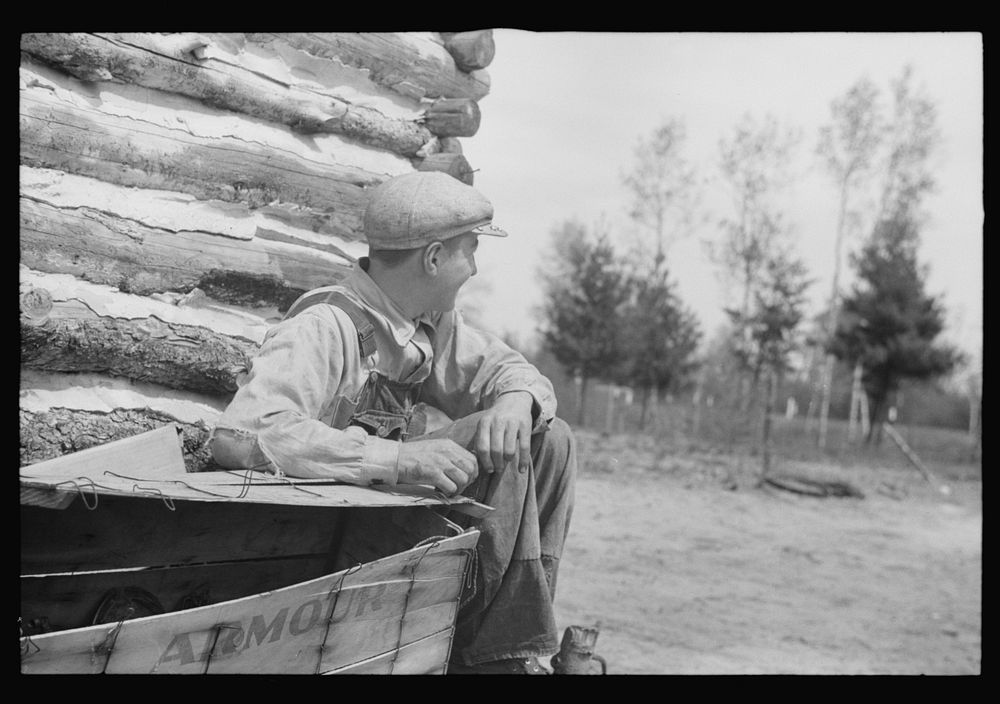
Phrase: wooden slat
[428,656]
[71,600]
[157,452]
[180,642]
[57,432]
[46,498]
[124,532]
[372,633]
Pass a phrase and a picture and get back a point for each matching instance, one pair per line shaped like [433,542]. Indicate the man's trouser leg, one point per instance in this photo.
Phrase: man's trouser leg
[510,614]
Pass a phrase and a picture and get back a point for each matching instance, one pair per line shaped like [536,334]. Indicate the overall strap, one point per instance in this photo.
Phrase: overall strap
[366,331]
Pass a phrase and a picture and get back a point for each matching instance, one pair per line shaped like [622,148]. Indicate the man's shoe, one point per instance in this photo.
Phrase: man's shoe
[514,666]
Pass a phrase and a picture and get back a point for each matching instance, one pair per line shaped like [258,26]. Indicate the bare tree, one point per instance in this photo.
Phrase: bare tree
[664,200]
[756,165]
[913,136]
[662,185]
[848,147]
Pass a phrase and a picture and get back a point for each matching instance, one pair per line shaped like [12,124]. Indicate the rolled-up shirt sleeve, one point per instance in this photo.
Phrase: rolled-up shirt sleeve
[295,376]
[473,368]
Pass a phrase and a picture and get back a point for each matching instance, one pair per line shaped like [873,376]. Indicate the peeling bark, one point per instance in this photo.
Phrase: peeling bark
[176,356]
[61,431]
[391,61]
[106,249]
[120,151]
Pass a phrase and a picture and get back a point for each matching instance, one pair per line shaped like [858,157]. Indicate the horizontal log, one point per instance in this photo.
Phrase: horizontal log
[106,248]
[104,58]
[73,297]
[182,213]
[283,64]
[322,197]
[42,391]
[408,63]
[471,50]
[59,431]
[177,356]
[454,165]
[357,163]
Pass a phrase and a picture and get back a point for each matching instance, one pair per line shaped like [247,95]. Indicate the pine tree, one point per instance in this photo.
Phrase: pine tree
[663,336]
[769,331]
[888,322]
[585,289]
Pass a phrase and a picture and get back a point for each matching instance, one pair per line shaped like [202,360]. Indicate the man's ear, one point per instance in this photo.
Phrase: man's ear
[432,257]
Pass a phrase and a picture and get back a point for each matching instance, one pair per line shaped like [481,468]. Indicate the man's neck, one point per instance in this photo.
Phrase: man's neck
[398,286]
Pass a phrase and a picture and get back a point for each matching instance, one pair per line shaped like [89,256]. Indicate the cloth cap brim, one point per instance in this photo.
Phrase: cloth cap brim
[492,230]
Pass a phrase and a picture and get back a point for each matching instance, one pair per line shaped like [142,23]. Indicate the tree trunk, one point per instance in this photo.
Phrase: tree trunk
[697,401]
[855,413]
[879,410]
[766,426]
[581,411]
[609,412]
[824,408]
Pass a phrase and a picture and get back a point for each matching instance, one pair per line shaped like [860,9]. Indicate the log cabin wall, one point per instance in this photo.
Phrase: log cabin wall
[178,191]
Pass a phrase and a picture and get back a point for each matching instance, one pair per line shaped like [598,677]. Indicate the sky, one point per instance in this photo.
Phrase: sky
[566,110]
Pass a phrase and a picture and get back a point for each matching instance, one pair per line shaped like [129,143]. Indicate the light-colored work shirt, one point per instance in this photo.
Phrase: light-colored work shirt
[308,363]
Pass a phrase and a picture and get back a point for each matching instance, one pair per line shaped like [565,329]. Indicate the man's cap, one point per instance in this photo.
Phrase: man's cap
[418,208]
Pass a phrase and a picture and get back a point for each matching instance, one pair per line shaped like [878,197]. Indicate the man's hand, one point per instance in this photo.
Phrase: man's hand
[503,433]
[442,463]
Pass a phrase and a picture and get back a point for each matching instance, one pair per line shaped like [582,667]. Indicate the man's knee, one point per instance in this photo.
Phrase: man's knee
[558,442]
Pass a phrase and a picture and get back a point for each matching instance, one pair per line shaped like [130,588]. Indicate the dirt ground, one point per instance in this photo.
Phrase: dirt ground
[691,569]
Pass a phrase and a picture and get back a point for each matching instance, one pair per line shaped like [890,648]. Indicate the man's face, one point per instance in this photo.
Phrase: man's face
[457,264]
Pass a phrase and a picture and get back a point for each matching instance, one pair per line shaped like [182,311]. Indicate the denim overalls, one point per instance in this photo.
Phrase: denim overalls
[383,407]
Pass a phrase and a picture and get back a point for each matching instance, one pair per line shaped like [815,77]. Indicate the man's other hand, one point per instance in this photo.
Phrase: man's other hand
[441,463]
[503,433]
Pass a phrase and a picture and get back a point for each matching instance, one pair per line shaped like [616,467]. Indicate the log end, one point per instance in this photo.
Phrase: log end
[36,304]
[455,165]
[470,50]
